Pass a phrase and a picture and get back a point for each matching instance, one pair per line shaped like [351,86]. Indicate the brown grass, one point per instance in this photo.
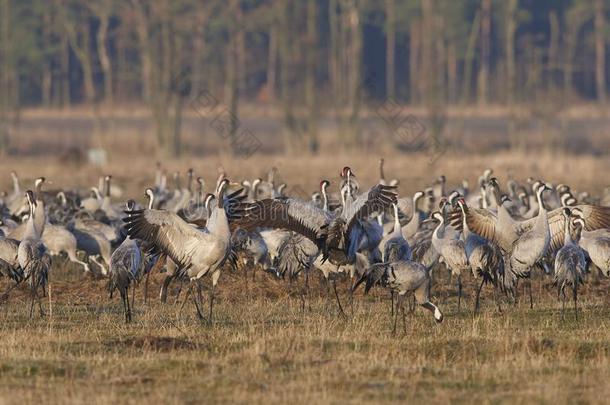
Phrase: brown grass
[262,348]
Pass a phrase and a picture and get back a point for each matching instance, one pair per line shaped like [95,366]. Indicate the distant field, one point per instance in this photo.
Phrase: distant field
[262,348]
[130,128]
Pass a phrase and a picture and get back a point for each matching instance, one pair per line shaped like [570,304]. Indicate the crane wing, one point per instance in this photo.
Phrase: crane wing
[166,232]
[378,199]
[296,253]
[595,217]
[290,214]
[479,220]
[373,275]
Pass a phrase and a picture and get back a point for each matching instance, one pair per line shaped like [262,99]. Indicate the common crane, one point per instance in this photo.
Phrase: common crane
[196,252]
[404,278]
[33,256]
[570,265]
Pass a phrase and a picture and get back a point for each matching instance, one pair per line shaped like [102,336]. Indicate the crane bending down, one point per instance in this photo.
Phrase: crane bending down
[403,277]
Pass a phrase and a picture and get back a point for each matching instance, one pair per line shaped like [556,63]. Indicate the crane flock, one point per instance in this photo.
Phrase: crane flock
[365,236]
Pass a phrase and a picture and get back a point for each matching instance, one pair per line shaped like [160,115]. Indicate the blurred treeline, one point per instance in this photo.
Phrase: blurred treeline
[306,58]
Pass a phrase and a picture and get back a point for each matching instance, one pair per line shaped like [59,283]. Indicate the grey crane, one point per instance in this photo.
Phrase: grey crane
[452,250]
[394,246]
[404,278]
[484,257]
[410,228]
[125,264]
[595,243]
[33,256]
[525,243]
[570,265]
[196,252]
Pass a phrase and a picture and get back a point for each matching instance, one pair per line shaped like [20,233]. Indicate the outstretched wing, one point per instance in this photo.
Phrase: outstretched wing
[166,232]
[290,214]
[482,222]
[296,253]
[378,199]
[595,217]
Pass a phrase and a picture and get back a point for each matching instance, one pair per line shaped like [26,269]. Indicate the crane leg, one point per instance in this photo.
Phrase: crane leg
[146,287]
[497,298]
[196,301]
[529,283]
[399,300]
[164,287]
[32,295]
[133,293]
[128,304]
[215,277]
[39,303]
[125,311]
[459,287]
[404,316]
[576,300]
[337,297]
[186,297]
[478,296]
[392,302]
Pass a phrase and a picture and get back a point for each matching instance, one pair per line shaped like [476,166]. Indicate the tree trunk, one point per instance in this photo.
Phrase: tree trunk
[145,52]
[310,77]
[390,67]
[79,36]
[105,63]
[469,58]
[333,63]
[198,82]
[511,28]
[272,62]
[600,52]
[66,97]
[452,73]
[7,103]
[234,81]
[355,70]
[509,46]
[285,47]
[553,44]
[46,85]
[483,82]
[427,44]
[414,62]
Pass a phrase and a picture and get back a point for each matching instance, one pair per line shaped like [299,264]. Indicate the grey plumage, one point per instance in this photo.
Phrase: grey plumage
[33,256]
[570,265]
[197,252]
[125,265]
[404,278]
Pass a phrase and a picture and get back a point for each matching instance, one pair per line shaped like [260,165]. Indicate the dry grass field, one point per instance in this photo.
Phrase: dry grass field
[263,348]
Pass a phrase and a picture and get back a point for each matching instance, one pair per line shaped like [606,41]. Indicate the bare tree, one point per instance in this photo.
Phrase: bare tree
[600,51]
[76,21]
[483,81]
[390,67]
[102,10]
